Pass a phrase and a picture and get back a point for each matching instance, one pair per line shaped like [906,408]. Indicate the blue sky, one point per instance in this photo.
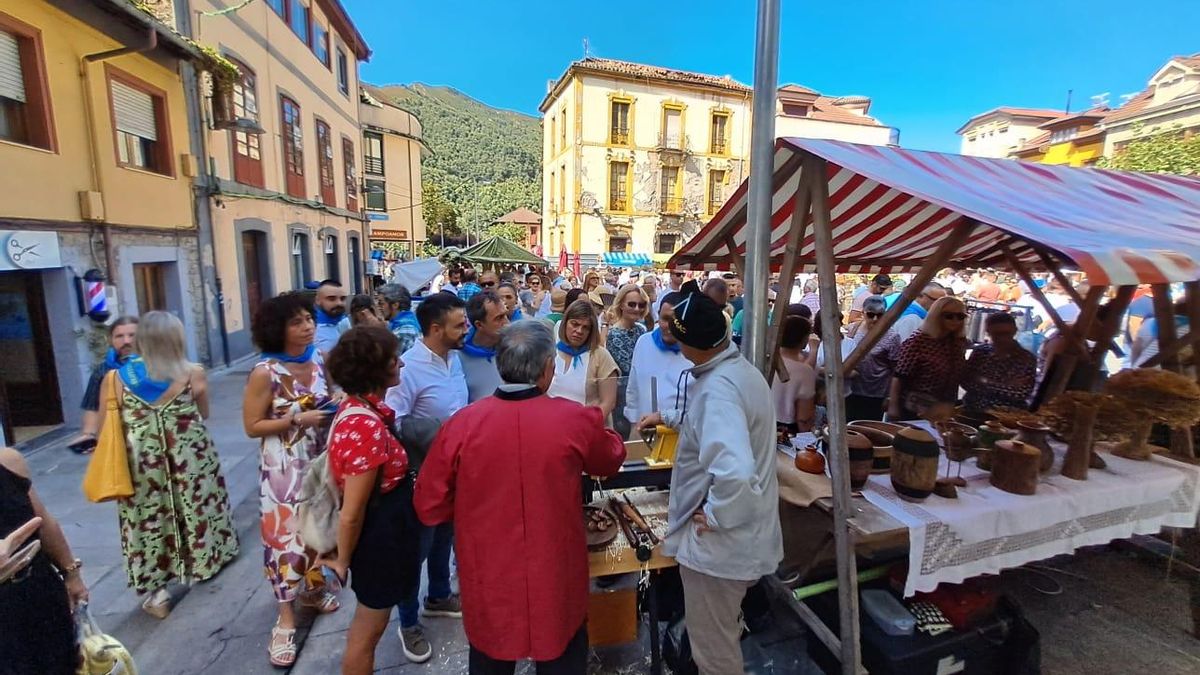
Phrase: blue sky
[928,65]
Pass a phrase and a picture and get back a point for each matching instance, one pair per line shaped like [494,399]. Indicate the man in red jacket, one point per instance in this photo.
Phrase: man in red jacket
[506,470]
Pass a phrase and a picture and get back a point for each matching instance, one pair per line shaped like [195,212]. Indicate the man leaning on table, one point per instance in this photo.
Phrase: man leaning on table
[723,519]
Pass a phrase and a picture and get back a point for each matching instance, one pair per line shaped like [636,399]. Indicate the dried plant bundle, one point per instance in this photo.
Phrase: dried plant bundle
[1161,395]
[1114,422]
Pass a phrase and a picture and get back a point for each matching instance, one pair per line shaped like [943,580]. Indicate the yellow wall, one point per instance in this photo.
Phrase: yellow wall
[44,185]
[1070,154]
[288,67]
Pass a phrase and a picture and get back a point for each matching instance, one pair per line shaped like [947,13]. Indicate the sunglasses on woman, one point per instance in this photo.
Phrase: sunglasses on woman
[873,315]
[488,284]
[636,305]
[954,316]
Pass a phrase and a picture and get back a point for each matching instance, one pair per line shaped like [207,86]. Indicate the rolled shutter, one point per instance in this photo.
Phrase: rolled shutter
[134,111]
[12,82]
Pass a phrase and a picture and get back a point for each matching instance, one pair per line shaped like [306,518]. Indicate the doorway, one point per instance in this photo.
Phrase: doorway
[254,269]
[29,396]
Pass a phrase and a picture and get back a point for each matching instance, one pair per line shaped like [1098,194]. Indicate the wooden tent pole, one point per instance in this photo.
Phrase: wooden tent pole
[1109,330]
[1192,296]
[1023,272]
[926,274]
[836,409]
[737,262]
[1168,348]
[1056,270]
[787,271]
[1064,363]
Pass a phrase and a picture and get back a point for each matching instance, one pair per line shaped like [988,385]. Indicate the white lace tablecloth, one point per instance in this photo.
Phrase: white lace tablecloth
[986,530]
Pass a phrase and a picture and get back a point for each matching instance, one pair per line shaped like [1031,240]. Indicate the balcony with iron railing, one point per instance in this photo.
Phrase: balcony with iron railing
[672,205]
[619,136]
[672,143]
[618,203]
[719,147]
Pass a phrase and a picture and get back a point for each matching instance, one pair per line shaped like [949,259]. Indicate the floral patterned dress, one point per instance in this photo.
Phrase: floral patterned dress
[178,525]
[282,461]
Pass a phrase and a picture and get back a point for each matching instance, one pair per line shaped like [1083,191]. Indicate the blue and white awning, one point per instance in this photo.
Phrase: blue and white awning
[626,259]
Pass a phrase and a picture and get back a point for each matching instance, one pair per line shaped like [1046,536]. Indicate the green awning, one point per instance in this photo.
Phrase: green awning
[498,250]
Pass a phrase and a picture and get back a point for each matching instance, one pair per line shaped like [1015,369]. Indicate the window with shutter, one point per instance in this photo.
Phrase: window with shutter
[325,163]
[247,148]
[24,97]
[139,123]
[293,148]
[351,174]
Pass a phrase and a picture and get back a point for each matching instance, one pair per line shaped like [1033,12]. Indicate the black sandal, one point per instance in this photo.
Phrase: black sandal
[83,446]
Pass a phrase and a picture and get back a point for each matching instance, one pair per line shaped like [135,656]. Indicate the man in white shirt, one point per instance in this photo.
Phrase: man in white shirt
[673,285]
[432,388]
[657,357]
[879,285]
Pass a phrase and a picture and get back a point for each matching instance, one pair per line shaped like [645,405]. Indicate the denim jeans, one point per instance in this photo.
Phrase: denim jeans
[436,544]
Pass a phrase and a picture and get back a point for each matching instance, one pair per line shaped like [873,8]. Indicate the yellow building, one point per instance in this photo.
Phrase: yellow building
[285,200]
[636,158]
[1072,140]
[97,170]
[392,152]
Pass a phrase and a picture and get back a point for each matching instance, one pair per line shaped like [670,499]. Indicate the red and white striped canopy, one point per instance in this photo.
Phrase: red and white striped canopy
[891,208]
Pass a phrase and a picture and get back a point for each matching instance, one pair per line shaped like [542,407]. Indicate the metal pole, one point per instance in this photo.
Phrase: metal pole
[835,394]
[762,163]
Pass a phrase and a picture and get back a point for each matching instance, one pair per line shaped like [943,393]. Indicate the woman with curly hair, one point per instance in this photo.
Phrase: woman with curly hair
[378,533]
[286,403]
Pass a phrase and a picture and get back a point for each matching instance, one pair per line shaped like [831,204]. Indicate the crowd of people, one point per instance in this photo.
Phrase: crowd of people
[455,424]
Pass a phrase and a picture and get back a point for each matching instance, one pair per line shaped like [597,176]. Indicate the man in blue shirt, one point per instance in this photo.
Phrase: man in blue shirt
[470,284]
[395,307]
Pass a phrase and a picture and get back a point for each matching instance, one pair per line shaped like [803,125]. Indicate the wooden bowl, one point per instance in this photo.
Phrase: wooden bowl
[809,460]
[598,540]
[881,441]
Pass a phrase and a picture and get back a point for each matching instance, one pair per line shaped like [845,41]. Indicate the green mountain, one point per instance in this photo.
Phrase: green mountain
[473,143]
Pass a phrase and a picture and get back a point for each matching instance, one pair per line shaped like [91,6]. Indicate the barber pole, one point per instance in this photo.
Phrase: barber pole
[94,297]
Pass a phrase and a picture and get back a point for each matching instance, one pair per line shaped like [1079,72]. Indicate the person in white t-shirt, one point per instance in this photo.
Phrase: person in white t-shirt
[880,285]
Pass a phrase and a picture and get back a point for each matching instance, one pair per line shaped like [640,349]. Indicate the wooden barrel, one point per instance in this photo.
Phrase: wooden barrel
[881,434]
[914,464]
[1015,467]
[862,457]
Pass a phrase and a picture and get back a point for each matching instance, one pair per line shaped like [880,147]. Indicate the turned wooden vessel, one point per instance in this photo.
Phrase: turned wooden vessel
[990,432]
[862,457]
[809,460]
[881,435]
[1037,435]
[1015,467]
[914,464]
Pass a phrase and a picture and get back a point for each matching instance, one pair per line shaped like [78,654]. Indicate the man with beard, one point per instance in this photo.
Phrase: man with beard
[487,314]
[330,314]
[723,519]
[121,336]
[432,388]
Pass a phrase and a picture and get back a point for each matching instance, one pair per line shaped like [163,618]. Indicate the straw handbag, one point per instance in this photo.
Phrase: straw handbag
[107,475]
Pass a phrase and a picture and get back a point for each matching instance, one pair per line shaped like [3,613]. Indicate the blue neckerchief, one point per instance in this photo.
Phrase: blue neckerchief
[407,316]
[133,374]
[576,353]
[304,357]
[112,360]
[516,316]
[914,308]
[656,335]
[323,319]
[472,349]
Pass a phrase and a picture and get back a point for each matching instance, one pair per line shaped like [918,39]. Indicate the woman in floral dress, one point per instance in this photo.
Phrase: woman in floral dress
[627,323]
[177,526]
[283,406]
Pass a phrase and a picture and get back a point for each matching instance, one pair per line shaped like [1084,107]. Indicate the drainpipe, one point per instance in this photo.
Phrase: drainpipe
[93,141]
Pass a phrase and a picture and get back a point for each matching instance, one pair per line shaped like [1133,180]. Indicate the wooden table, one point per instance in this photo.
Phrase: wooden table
[620,558]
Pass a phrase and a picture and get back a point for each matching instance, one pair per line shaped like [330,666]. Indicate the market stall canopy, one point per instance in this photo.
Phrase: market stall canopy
[891,208]
[500,251]
[415,274]
[626,259]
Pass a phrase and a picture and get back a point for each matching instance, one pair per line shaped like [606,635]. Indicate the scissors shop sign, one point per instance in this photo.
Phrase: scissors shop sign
[29,250]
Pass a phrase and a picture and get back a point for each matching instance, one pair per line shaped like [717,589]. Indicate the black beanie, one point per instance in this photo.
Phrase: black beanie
[699,321]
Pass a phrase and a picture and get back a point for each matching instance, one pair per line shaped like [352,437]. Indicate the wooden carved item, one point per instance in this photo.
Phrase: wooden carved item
[1079,445]
[1037,435]
[914,464]
[862,457]
[881,435]
[809,460]
[1015,467]
[1153,396]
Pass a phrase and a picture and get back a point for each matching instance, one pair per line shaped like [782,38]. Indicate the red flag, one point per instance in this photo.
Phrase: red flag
[578,272]
[563,259]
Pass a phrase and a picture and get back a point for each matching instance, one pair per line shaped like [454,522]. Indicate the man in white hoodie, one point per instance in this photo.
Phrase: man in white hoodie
[723,520]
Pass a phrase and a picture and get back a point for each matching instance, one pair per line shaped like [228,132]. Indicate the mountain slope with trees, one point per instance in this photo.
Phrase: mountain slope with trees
[473,144]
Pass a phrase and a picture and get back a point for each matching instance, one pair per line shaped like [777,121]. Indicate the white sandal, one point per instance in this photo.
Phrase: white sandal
[282,655]
[158,604]
[322,601]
